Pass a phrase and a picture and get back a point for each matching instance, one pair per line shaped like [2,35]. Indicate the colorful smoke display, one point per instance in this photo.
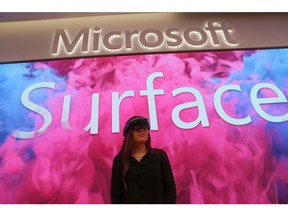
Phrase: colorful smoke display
[222,163]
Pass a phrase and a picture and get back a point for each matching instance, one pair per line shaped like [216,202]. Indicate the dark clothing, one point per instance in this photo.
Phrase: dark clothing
[148,181]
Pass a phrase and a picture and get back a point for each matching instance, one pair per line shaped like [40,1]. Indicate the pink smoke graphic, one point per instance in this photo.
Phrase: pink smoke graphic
[221,163]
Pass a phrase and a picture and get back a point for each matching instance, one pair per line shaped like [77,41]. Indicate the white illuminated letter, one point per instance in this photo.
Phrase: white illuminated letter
[256,102]
[116,101]
[202,117]
[61,33]
[93,124]
[35,108]
[65,113]
[220,110]
[151,92]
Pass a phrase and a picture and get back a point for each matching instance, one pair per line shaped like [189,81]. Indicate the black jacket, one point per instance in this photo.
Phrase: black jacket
[148,181]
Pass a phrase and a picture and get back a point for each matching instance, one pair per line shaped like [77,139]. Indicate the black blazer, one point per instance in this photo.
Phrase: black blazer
[149,181]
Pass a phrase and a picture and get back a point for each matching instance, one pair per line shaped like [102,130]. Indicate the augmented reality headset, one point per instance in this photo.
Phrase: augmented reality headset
[137,121]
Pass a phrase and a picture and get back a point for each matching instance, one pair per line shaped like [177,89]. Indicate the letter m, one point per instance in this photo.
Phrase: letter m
[70,46]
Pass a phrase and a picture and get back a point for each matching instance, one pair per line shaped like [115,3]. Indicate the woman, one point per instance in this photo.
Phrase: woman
[141,174]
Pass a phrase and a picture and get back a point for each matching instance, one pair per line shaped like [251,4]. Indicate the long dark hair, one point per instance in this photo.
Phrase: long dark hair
[126,149]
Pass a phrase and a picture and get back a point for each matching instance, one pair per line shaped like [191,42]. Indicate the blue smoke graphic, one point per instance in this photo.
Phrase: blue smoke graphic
[14,79]
[269,66]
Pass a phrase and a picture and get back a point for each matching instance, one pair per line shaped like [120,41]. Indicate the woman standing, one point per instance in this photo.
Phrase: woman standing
[140,173]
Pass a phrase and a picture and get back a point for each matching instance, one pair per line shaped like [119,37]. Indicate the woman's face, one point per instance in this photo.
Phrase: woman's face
[140,134]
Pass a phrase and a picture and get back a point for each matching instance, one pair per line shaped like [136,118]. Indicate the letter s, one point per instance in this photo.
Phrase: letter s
[36,108]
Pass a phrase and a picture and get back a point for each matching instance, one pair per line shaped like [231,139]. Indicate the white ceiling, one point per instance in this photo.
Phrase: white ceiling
[28,16]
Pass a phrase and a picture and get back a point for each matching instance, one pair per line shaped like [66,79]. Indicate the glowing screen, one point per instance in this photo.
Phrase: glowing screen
[220,116]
